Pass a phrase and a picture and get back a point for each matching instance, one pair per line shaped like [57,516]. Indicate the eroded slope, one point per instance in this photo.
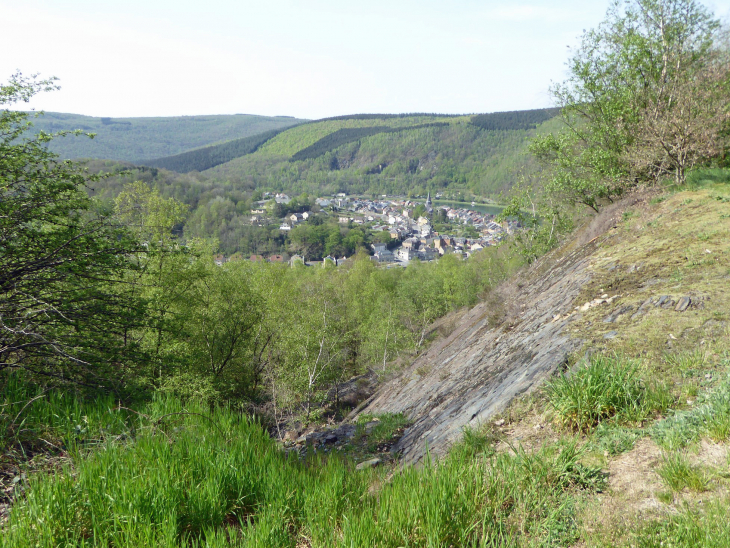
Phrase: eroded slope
[654,279]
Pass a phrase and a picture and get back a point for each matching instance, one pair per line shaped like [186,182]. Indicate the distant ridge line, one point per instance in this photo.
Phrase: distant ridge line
[210,156]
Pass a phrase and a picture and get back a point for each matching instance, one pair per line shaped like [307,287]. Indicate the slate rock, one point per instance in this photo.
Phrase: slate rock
[488,366]
[613,316]
[683,303]
[372,463]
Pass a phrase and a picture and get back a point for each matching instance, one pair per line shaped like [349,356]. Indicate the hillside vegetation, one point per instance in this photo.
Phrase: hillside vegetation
[392,156]
[567,386]
[135,139]
[646,394]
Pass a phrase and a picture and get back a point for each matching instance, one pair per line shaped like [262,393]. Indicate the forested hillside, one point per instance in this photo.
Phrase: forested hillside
[567,384]
[136,139]
[479,155]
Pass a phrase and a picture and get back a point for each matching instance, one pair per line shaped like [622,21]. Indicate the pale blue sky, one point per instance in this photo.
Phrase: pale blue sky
[307,59]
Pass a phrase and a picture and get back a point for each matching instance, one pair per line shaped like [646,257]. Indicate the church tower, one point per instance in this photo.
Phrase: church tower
[429,205]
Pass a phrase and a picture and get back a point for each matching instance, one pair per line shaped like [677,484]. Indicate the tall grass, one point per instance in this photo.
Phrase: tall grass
[33,419]
[189,476]
[607,387]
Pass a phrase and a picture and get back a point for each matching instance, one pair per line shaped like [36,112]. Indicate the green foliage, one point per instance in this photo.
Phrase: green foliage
[389,426]
[542,222]
[64,307]
[142,139]
[401,160]
[205,158]
[343,136]
[646,96]
[698,178]
[602,389]
[290,142]
[706,526]
[709,417]
[613,440]
[173,475]
[577,174]
[678,473]
[315,241]
[30,414]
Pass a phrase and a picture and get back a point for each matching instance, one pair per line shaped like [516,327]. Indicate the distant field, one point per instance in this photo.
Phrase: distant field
[138,139]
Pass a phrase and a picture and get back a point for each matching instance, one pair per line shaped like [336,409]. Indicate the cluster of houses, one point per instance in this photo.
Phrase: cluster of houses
[415,236]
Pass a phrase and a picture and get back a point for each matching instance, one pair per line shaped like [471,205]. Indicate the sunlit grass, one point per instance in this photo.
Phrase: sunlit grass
[607,387]
[174,475]
[678,473]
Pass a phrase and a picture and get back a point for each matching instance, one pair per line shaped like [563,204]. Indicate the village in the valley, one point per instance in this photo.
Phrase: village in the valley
[409,222]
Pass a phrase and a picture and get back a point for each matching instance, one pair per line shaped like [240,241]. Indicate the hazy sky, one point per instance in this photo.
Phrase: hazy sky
[282,57]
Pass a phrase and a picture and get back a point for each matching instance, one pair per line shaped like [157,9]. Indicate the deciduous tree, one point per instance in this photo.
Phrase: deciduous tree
[64,307]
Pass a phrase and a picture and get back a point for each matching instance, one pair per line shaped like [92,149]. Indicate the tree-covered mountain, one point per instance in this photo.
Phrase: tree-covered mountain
[478,155]
[140,139]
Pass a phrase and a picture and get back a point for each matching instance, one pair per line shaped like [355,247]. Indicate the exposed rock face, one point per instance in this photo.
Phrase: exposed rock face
[475,372]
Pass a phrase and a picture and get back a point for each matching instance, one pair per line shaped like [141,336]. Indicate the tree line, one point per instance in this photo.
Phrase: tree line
[519,119]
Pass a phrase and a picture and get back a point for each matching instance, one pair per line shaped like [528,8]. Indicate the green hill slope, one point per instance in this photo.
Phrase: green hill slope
[140,139]
[476,155]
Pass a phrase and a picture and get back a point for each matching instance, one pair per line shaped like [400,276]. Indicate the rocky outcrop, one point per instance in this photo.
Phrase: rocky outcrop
[476,372]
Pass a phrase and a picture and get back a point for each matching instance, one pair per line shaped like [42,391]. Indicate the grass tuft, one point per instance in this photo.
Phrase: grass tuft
[707,527]
[613,440]
[678,473]
[607,387]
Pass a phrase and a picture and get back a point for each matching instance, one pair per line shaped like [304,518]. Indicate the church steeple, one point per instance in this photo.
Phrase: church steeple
[429,206]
